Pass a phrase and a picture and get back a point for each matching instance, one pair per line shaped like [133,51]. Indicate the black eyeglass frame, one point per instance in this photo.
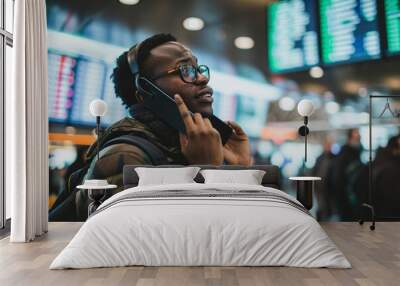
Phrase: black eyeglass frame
[179,69]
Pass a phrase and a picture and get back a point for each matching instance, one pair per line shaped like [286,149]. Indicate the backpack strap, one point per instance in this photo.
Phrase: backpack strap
[156,156]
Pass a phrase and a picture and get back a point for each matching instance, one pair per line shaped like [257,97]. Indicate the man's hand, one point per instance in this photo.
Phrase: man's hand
[202,142]
[237,148]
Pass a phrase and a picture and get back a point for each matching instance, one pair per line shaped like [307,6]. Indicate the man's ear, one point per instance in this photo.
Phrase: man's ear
[139,98]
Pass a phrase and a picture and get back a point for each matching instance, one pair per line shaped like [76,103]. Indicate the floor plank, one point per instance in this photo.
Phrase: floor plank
[374,255]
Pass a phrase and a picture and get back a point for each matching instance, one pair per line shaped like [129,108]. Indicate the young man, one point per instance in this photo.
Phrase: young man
[174,69]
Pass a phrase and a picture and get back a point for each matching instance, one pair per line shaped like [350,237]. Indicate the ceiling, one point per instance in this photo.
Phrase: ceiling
[224,21]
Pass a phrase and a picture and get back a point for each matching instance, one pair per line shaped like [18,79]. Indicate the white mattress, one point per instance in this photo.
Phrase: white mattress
[189,231]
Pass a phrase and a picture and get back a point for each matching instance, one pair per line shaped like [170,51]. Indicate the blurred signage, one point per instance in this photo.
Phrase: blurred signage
[74,81]
[61,70]
[292,35]
[349,30]
[392,17]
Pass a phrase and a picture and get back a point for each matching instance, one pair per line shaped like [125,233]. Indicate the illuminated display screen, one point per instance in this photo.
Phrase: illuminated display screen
[292,35]
[90,77]
[349,30]
[61,77]
[392,16]
[73,83]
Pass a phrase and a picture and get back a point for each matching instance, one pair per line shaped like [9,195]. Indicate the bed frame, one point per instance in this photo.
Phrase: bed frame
[271,178]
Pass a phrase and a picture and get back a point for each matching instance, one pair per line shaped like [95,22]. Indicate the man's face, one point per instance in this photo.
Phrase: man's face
[197,95]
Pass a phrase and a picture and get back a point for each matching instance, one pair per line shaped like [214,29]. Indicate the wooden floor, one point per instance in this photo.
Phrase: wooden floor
[374,255]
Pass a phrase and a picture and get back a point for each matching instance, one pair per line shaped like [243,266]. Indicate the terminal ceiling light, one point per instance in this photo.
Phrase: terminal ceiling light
[332,107]
[329,95]
[193,24]
[129,2]
[244,43]
[287,103]
[316,72]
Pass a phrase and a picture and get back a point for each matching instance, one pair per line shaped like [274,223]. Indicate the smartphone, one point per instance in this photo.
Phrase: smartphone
[165,108]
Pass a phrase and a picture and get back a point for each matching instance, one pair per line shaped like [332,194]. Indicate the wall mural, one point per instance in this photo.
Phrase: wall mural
[83,48]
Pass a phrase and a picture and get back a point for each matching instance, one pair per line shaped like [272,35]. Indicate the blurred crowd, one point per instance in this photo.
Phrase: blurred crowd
[345,183]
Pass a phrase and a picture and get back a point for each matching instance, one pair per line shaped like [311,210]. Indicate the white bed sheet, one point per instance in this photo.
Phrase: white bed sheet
[200,231]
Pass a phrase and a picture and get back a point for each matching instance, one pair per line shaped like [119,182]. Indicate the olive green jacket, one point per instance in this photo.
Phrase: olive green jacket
[113,158]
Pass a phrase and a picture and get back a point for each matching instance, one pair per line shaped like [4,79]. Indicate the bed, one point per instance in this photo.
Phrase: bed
[198,224]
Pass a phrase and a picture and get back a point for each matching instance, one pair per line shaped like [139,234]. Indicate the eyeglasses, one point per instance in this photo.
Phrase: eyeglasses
[187,72]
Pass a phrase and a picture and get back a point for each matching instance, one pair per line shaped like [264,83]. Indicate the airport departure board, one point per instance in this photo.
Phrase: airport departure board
[89,82]
[73,83]
[349,30]
[392,17]
[61,80]
[292,35]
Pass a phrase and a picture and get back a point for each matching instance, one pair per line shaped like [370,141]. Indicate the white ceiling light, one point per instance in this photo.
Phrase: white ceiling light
[244,43]
[316,72]
[129,2]
[287,103]
[332,107]
[193,24]
[329,95]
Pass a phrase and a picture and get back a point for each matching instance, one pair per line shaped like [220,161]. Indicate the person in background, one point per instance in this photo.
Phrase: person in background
[346,175]
[323,190]
[386,179]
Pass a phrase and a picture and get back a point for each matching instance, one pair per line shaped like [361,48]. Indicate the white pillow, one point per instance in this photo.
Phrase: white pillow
[164,176]
[248,177]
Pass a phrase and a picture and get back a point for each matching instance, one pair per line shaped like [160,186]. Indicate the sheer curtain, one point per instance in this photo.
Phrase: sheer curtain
[27,124]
